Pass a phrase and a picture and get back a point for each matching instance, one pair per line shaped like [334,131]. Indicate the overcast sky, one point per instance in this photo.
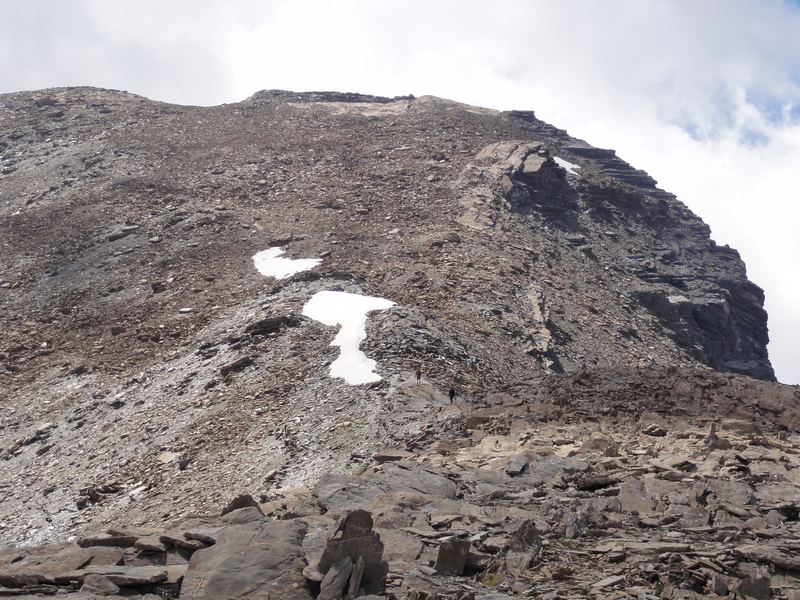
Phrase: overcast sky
[702,94]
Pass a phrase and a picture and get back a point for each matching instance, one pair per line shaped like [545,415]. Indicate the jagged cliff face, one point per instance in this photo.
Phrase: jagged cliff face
[142,348]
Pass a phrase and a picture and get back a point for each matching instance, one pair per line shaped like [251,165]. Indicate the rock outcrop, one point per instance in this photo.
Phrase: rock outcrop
[588,485]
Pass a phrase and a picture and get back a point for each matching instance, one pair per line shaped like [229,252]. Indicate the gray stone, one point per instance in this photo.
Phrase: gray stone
[138,576]
[634,498]
[58,566]
[719,584]
[770,554]
[254,560]
[608,582]
[105,539]
[654,430]
[240,516]
[755,587]
[516,465]
[241,501]
[355,539]
[149,544]
[206,535]
[452,557]
[99,585]
[391,455]
[354,589]
[656,547]
[176,539]
[335,580]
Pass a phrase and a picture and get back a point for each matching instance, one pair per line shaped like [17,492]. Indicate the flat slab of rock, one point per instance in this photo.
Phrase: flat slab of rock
[122,576]
[206,535]
[354,539]
[177,539]
[106,539]
[242,501]
[255,560]
[100,585]
[335,580]
[137,576]
[516,465]
[150,544]
[608,582]
[764,553]
[656,547]
[58,567]
[137,532]
[391,455]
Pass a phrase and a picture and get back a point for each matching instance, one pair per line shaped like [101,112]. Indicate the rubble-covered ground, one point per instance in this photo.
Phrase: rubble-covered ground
[624,484]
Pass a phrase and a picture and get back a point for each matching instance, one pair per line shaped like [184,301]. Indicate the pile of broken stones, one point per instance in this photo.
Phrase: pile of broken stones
[240,554]
[502,503]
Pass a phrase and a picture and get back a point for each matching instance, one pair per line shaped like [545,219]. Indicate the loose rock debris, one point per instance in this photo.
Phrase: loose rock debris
[150,376]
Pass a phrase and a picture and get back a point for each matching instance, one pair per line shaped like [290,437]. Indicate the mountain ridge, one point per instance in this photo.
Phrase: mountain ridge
[151,373]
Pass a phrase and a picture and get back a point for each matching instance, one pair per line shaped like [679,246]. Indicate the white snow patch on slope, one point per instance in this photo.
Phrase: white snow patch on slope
[570,167]
[350,312]
[269,263]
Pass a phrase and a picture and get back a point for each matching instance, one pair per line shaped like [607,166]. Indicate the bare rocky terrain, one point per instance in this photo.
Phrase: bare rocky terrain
[616,430]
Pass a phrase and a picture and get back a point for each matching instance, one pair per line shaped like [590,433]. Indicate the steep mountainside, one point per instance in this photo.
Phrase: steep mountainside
[150,372]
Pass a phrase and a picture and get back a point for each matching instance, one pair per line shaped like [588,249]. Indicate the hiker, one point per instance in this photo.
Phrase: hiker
[419,375]
[452,395]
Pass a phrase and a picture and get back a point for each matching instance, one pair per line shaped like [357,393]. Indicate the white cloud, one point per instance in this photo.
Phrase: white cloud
[636,75]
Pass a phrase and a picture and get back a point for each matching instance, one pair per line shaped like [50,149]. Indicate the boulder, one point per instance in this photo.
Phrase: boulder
[100,585]
[354,538]
[241,501]
[354,589]
[756,588]
[768,554]
[516,465]
[634,498]
[256,560]
[335,580]
[452,557]
[524,547]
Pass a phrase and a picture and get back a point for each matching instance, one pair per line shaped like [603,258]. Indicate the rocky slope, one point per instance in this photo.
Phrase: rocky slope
[619,484]
[150,374]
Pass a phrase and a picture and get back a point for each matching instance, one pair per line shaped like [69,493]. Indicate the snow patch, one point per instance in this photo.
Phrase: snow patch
[269,263]
[565,164]
[349,311]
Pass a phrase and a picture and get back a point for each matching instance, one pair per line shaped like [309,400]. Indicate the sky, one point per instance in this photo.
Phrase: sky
[702,94]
